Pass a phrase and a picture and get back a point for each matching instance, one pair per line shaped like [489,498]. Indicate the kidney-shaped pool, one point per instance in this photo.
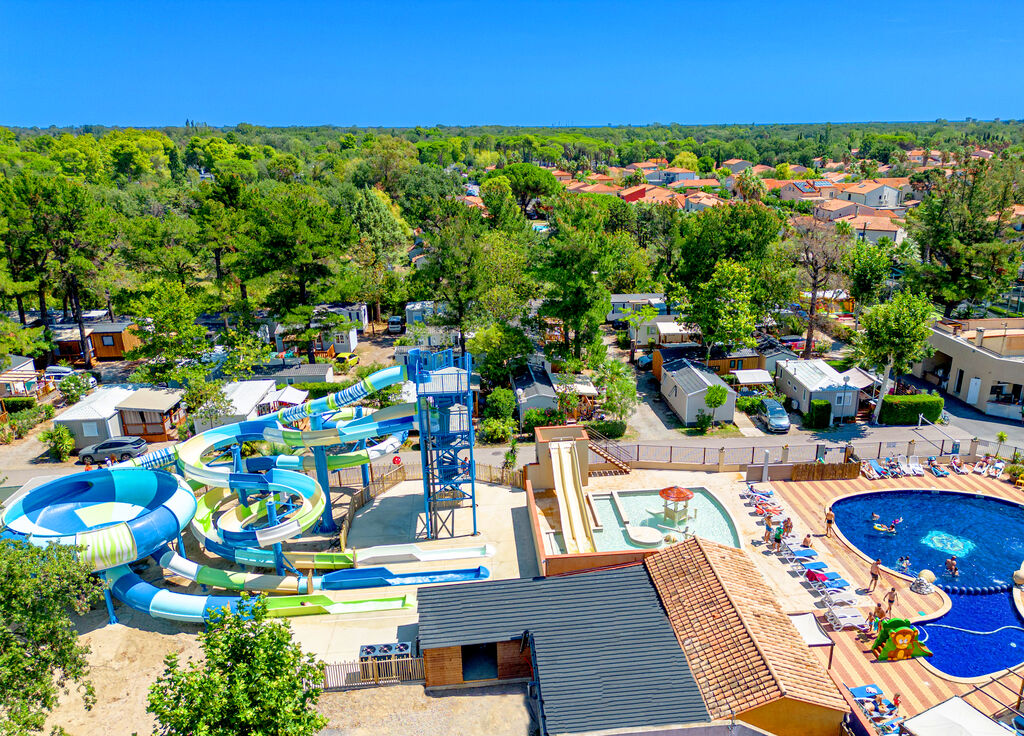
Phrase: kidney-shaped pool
[983,633]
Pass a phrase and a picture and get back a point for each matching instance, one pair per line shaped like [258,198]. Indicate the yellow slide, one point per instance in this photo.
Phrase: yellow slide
[572,512]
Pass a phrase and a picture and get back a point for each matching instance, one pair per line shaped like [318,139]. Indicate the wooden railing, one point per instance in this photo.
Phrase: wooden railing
[372,673]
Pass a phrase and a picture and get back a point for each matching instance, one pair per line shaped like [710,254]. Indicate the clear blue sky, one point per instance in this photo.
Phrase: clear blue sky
[561,62]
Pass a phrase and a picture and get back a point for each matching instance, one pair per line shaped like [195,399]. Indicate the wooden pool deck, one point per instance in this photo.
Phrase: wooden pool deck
[853,663]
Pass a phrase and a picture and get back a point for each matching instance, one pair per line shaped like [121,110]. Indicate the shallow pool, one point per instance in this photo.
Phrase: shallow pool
[712,521]
[981,634]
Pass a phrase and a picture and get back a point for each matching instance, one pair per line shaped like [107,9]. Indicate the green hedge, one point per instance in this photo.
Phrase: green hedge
[316,390]
[905,409]
[820,414]
[19,403]
[748,404]
[610,428]
[537,418]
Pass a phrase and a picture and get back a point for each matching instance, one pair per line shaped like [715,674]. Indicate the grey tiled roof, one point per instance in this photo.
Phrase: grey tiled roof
[533,381]
[692,377]
[606,654]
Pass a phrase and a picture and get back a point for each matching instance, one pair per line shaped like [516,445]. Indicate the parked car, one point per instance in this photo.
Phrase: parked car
[644,362]
[346,360]
[774,416]
[116,448]
[396,325]
[59,372]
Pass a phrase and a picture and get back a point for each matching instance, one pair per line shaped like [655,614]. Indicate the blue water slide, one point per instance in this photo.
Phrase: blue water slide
[378,577]
[149,599]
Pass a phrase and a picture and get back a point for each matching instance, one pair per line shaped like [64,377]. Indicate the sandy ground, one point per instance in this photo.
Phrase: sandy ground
[126,658]
[409,711]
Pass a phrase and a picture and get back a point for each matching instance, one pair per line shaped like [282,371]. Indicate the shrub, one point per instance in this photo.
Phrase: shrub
[23,421]
[820,414]
[316,390]
[622,339]
[495,431]
[610,428]
[501,404]
[1015,471]
[905,409]
[748,404]
[19,403]
[73,388]
[59,442]
[704,420]
[542,418]
[49,410]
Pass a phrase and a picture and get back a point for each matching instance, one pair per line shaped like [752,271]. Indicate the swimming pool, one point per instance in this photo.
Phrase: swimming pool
[986,534]
[712,520]
[981,634]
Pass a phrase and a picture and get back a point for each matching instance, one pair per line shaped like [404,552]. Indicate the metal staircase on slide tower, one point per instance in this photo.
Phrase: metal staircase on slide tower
[445,414]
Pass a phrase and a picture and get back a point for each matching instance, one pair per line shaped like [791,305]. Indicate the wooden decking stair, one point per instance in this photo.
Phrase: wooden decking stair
[611,451]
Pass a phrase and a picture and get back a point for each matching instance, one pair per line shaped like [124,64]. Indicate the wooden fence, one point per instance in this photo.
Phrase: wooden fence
[372,673]
[826,471]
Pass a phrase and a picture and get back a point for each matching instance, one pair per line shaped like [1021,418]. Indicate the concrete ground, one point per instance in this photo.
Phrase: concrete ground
[397,518]
[408,710]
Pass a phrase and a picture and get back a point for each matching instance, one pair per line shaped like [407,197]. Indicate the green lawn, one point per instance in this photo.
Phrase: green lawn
[722,430]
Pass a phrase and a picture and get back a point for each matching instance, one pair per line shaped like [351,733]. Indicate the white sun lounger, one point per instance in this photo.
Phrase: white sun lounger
[915,465]
[845,618]
[904,465]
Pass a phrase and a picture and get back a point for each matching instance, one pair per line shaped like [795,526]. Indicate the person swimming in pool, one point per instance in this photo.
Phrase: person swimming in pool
[875,517]
[892,528]
[951,566]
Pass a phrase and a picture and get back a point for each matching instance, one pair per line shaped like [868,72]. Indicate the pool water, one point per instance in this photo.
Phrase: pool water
[985,534]
[981,634]
[963,654]
[712,521]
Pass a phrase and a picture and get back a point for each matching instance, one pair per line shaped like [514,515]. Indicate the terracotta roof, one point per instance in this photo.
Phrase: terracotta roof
[599,189]
[694,183]
[742,648]
[894,181]
[735,161]
[679,170]
[866,222]
[642,188]
[762,168]
[658,194]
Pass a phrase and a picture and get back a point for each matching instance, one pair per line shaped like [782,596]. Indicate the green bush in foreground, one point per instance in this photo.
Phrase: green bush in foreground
[905,409]
[820,414]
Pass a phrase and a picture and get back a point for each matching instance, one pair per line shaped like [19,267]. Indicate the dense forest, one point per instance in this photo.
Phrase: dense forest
[167,224]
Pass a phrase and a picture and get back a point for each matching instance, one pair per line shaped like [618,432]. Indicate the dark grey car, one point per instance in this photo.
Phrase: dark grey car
[774,416]
[116,448]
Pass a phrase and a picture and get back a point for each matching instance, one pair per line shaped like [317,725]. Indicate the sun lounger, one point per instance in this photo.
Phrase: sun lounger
[894,468]
[868,471]
[981,467]
[763,491]
[877,467]
[996,470]
[865,692]
[823,586]
[846,618]
[937,470]
[889,727]
[915,466]
[959,468]
[839,598]
[792,552]
[813,565]
[904,465]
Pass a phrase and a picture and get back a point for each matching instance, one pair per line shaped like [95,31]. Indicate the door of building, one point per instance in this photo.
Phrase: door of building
[972,390]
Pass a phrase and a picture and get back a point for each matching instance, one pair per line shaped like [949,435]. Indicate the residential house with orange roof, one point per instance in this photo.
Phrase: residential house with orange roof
[872,193]
[831,209]
[601,178]
[633,194]
[701,201]
[749,660]
[762,169]
[672,174]
[694,184]
[736,165]
[982,153]
[874,229]
[561,175]
[808,189]
[598,189]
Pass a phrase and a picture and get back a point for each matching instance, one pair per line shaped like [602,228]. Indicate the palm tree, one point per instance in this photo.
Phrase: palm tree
[751,186]
[1000,438]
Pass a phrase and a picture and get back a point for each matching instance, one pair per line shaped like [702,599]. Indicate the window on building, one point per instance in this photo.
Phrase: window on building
[840,399]
[90,429]
[732,364]
[107,340]
[959,381]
